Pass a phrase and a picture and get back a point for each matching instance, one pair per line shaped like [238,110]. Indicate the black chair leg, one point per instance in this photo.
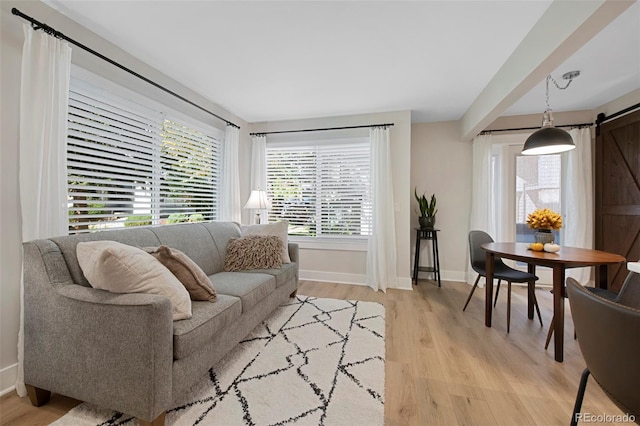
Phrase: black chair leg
[471,294]
[508,306]
[580,396]
[535,304]
[549,333]
[497,292]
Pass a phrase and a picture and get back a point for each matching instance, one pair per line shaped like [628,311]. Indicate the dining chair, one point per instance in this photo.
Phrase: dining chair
[629,295]
[501,272]
[608,337]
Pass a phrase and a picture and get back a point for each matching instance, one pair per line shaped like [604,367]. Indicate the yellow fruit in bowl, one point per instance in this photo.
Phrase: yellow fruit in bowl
[536,246]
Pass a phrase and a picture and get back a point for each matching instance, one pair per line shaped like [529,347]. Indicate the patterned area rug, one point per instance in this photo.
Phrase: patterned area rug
[312,362]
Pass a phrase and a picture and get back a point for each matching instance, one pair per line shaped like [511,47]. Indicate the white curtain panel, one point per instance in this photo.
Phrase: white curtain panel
[44,94]
[259,170]
[230,204]
[577,198]
[381,253]
[481,217]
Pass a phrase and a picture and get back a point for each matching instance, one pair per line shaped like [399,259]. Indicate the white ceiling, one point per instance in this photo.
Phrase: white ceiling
[268,61]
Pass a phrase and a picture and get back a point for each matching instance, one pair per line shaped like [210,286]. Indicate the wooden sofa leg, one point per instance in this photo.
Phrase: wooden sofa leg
[292,295]
[37,396]
[158,421]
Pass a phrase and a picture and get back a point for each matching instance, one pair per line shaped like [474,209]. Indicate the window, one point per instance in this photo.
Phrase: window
[321,188]
[129,164]
[537,183]
[519,185]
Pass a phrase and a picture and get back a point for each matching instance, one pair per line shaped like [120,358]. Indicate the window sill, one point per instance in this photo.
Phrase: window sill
[330,244]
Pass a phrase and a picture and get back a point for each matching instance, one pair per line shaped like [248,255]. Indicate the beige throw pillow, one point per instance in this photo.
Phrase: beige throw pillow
[186,271]
[119,268]
[253,252]
[279,229]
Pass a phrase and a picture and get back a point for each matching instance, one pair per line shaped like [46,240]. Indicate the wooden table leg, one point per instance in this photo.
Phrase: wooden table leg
[558,311]
[602,277]
[489,258]
[532,287]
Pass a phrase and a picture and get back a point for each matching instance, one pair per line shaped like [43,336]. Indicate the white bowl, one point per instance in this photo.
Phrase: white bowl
[551,248]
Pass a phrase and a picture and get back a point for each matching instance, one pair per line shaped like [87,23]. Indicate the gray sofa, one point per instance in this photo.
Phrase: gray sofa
[123,351]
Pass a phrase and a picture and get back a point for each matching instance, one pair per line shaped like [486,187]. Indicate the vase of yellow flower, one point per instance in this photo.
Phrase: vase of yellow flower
[544,236]
[544,221]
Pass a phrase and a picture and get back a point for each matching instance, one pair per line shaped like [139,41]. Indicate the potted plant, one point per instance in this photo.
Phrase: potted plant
[427,218]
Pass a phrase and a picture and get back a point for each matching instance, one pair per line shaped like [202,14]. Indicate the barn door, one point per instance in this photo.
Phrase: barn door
[618,192]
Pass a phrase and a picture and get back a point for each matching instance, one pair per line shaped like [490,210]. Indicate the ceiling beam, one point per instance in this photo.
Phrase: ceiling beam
[563,29]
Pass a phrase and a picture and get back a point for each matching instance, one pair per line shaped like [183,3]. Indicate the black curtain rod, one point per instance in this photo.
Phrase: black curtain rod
[602,117]
[44,27]
[322,129]
[484,132]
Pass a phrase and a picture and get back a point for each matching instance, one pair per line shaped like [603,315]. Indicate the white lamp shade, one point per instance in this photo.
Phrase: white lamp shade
[258,200]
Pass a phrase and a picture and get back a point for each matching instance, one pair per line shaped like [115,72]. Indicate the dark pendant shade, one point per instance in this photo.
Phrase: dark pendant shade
[548,140]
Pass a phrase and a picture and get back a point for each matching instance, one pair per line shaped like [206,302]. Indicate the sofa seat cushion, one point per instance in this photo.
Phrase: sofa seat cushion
[251,288]
[207,319]
[282,275]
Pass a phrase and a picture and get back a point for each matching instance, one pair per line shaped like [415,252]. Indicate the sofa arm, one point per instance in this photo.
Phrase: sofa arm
[294,252]
[113,350]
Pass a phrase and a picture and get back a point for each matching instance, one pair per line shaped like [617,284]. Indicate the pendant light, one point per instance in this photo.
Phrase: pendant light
[550,139]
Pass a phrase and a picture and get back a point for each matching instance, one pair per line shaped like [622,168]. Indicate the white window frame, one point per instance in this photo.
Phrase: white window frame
[326,242]
[109,90]
[505,149]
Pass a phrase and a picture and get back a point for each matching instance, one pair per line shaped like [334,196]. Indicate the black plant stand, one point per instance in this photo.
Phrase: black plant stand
[427,234]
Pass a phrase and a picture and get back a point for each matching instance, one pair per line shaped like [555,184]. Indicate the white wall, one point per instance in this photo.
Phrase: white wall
[441,165]
[618,104]
[10,232]
[349,266]
[10,223]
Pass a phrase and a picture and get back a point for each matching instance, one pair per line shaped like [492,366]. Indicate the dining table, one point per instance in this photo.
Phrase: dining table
[559,262]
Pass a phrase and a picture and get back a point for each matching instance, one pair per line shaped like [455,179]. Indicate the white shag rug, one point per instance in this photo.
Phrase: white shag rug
[312,362]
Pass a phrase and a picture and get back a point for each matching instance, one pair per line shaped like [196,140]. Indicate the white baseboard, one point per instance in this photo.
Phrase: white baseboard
[445,275]
[458,276]
[8,377]
[333,277]
[405,284]
[344,278]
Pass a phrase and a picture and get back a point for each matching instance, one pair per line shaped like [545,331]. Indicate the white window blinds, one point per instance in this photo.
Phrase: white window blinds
[131,165]
[321,189]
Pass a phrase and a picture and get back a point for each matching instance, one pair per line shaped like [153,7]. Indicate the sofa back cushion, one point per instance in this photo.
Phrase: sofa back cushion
[221,232]
[205,243]
[194,240]
[137,237]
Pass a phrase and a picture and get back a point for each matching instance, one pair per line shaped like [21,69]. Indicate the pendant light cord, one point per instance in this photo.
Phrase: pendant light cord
[555,83]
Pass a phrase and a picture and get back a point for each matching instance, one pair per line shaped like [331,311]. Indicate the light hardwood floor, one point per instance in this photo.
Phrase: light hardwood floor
[443,366]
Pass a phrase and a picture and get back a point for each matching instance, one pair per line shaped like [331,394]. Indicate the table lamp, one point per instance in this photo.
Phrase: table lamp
[257,200]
